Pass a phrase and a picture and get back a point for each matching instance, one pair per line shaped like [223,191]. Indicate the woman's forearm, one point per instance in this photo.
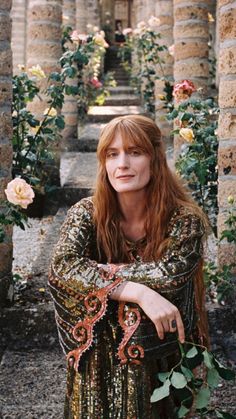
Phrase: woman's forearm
[128,291]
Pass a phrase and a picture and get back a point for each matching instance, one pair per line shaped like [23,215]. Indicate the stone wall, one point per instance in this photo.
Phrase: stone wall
[5,139]
[19,32]
[227,119]
[164,11]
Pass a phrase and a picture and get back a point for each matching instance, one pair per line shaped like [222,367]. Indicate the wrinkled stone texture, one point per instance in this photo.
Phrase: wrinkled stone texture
[164,11]
[227,159]
[227,125]
[191,35]
[18,15]
[5,140]
[70,108]
[227,118]
[44,21]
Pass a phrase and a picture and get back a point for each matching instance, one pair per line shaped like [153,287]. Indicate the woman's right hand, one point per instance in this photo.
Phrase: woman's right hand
[162,313]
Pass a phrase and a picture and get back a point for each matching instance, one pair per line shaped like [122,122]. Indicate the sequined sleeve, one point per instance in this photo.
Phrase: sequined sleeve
[79,287]
[178,263]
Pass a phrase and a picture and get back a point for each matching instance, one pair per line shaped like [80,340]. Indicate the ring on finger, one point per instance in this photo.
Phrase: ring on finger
[173,324]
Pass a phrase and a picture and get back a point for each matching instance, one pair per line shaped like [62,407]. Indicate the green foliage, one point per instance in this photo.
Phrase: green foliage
[197,162]
[230,233]
[220,281]
[146,48]
[192,392]
[32,138]
[11,215]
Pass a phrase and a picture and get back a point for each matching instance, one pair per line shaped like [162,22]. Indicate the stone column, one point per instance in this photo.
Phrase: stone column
[44,48]
[81,16]
[5,140]
[164,11]
[108,15]
[70,108]
[88,12]
[93,16]
[19,29]
[227,118]
[69,13]
[191,35]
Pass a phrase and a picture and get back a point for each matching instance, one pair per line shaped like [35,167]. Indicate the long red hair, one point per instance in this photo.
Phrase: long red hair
[165,193]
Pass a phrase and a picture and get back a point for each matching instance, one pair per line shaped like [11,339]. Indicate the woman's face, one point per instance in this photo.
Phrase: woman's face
[128,168]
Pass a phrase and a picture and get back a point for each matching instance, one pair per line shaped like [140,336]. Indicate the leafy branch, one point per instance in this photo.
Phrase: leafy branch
[192,391]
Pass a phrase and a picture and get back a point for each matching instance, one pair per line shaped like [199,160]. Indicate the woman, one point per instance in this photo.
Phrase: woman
[126,278]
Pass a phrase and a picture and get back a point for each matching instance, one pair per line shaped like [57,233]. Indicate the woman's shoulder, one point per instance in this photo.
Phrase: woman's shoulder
[185,216]
[84,207]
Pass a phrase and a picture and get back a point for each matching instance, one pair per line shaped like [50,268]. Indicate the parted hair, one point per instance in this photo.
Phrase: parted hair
[165,191]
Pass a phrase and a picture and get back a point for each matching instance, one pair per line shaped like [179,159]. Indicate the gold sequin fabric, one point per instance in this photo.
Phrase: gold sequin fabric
[113,351]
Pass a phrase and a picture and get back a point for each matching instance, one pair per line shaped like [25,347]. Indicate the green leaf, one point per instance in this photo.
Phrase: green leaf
[162,376]
[224,415]
[178,380]
[208,359]
[213,377]
[224,372]
[192,352]
[202,398]
[187,372]
[161,392]
[182,411]
[60,123]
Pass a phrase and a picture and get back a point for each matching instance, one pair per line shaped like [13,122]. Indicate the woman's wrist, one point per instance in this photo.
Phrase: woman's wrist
[128,291]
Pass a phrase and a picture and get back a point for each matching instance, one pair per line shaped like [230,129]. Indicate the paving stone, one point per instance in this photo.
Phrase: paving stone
[32,384]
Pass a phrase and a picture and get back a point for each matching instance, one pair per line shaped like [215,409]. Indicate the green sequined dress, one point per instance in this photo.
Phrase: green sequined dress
[113,351]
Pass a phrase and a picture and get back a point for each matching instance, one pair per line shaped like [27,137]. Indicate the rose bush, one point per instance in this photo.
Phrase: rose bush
[144,44]
[195,122]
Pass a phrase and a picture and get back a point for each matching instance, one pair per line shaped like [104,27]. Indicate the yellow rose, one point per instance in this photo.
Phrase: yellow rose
[37,71]
[187,134]
[50,112]
[35,129]
[19,192]
[99,40]
[230,199]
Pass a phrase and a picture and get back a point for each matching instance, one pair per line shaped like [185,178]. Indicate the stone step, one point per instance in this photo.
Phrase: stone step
[106,113]
[121,90]
[119,72]
[78,170]
[119,100]
[122,82]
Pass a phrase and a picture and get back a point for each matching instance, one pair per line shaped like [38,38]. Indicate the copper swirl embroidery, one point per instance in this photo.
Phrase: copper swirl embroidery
[83,330]
[134,351]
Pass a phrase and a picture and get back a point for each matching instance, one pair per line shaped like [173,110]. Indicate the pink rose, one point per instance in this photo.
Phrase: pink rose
[19,192]
[127,31]
[183,90]
[96,83]
[78,37]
